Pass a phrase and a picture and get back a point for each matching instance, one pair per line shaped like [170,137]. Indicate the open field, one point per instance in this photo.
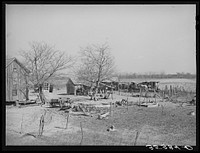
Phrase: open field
[168,124]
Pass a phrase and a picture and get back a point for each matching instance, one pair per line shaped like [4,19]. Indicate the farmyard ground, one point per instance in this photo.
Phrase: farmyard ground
[170,124]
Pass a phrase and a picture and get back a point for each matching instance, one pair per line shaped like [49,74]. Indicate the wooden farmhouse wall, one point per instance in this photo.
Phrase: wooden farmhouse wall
[16,79]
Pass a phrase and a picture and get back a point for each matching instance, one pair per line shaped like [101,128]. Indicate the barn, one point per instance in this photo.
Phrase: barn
[16,80]
[70,87]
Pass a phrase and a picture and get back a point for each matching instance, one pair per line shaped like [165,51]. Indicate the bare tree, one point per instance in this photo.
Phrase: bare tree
[44,61]
[97,64]
[24,86]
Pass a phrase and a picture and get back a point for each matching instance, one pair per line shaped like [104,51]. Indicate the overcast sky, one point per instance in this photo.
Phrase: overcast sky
[142,38]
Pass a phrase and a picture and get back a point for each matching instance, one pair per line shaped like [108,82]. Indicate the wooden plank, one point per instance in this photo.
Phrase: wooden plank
[101,116]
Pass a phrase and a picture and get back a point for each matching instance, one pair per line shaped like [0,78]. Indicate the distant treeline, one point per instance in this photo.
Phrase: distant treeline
[157,76]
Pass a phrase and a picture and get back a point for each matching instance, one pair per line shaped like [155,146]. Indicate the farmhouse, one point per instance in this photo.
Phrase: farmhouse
[16,80]
[48,86]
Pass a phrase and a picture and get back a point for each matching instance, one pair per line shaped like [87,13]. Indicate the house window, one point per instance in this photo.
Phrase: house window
[46,86]
[15,76]
[14,90]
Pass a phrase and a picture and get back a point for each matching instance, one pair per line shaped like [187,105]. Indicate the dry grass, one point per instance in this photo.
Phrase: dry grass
[175,127]
[168,124]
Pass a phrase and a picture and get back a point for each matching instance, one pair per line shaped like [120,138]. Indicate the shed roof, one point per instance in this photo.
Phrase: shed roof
[69,79]
[83,83]
[113,79]
[103,84]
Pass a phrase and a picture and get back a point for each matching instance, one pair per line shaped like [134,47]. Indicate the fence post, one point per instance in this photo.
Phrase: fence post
[67,120]
[140,95]
[127,103]
[166,89]
[163,95]
[110,109]
[41,126]
[22,123]
[170,90]
[81,133]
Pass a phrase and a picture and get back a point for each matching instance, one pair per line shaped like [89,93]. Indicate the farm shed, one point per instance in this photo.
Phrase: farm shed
[82,88]
[105,86]
[70,87]
[113,82]
[16,80]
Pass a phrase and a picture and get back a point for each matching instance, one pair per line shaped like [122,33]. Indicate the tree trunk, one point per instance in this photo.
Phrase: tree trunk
[40,88]
[41,94]
[96,90]
[27,91]
[97,87]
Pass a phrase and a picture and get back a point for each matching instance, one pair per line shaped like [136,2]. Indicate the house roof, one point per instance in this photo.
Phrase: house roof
[10,60]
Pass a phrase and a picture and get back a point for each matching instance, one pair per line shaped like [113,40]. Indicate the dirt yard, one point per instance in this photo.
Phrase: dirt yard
[168,124]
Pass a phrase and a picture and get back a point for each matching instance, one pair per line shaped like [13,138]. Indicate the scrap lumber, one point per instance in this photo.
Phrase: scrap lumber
[101,116]
[85,113]
[149,105]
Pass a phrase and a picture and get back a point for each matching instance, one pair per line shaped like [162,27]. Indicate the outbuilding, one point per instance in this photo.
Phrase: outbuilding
[16,80]
[70,87]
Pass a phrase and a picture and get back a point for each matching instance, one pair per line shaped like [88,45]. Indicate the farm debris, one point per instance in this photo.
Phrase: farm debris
[111,128]
[64,102]
[151,104]
[65,108]
[192,102]
[123,102]
[172,115]
[105,103]
[47,105]
[97,96]
[102,116]
[92,109]
[81,108]
[191,113]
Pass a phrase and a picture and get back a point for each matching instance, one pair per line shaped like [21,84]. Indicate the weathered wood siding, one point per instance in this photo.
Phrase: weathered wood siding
[70,87]
[20,79]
